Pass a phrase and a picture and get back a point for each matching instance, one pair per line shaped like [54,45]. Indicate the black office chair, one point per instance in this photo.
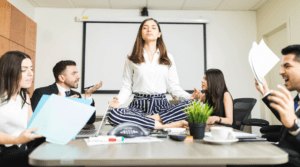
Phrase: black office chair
[272,132]
[242,108]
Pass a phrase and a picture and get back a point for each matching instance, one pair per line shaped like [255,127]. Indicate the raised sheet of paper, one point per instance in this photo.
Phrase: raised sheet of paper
[126,141]
[60,119]
[43,100]
[261,60]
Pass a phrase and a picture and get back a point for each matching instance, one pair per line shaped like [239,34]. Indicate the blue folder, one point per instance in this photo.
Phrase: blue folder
[46,97]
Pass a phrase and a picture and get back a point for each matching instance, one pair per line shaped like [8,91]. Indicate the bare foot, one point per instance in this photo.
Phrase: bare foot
[177,124]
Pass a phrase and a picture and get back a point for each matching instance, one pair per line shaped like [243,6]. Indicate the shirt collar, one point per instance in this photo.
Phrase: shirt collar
[61,90]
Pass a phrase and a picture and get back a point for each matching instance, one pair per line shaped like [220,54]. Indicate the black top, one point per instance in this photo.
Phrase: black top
[221,113]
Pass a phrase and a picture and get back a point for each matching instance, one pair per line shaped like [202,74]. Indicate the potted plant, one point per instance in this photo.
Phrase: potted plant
[198,114]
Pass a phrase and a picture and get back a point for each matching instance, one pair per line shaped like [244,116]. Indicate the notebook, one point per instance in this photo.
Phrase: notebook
[94,132]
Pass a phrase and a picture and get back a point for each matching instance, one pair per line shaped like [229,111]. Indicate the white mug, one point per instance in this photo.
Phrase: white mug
[222,133]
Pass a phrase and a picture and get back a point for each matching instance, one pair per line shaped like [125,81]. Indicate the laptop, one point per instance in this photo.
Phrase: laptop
[94,132]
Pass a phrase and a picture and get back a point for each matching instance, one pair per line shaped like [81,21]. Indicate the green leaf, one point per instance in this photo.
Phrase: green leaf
[198,112]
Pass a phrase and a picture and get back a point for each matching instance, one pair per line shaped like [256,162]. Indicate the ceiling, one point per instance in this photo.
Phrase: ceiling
[219,5]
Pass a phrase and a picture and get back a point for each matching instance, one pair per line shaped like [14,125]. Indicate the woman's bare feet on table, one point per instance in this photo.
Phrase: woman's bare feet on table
[177,124]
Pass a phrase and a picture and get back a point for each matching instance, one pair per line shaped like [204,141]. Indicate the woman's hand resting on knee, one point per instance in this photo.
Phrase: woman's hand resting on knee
[115,103]
[156,117]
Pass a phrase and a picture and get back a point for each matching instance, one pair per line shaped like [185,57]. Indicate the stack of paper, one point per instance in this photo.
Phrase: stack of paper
[59,119]
[262,60]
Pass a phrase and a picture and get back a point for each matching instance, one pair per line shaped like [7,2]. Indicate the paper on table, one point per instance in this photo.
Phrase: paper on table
[126,141]
[262,60]
[60,119]
[237,134]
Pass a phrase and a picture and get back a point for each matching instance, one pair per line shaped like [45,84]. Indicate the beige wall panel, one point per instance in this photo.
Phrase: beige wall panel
[17,26]
[32,55]
[30,34]
[4,45]
[5,16]
[16,47]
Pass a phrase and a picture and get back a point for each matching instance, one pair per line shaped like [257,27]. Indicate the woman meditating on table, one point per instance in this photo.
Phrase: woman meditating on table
[16,76]
[149,71]
[218,96]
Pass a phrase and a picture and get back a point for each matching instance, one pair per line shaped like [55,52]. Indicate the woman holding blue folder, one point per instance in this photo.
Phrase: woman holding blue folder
[149,71]
[16,76]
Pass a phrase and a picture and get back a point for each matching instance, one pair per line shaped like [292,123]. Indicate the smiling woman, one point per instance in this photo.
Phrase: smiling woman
[16,76]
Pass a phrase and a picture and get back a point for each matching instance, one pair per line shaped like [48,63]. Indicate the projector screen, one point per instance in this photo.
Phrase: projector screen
[107,44]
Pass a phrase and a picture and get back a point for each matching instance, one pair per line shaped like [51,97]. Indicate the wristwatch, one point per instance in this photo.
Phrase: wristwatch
[295,126]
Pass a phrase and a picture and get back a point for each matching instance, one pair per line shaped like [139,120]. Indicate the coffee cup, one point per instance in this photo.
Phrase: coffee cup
[222,133]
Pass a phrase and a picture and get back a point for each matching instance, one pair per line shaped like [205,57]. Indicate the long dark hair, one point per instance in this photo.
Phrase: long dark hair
[216,87]
[10,75]
[137,52]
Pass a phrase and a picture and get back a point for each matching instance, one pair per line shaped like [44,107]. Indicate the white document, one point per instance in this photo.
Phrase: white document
[126,141]
[175,130]
[60,119]
[237,134]
[261,60]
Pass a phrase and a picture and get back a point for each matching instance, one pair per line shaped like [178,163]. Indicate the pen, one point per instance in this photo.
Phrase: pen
[106,139]
[89,87]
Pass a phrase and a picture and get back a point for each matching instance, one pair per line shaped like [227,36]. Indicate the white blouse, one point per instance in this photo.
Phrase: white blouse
[150,78]
[13,117]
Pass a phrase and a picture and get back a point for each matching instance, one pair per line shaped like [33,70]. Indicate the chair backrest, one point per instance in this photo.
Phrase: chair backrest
[242,108]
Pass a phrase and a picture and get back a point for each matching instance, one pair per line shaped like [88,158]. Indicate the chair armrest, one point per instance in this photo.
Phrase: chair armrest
[274,137]
[255,122]
[271,129]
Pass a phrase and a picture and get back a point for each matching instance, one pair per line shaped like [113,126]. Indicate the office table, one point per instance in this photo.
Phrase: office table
[166,153]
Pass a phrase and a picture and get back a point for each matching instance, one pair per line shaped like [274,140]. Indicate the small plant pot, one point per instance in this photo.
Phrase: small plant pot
[197,130]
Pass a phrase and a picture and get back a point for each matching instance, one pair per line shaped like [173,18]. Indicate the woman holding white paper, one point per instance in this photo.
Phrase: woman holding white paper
[149,71]
[16,76]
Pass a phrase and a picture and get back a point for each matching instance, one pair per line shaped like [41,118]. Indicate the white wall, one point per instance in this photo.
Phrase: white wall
[229,38]
[273,18]
[25,7]
[276,13]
